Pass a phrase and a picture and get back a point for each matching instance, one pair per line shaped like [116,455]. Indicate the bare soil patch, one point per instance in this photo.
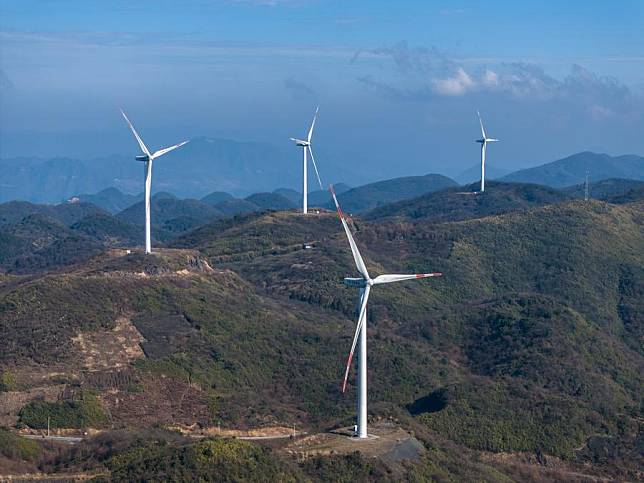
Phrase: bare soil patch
[112,349]
[386,441]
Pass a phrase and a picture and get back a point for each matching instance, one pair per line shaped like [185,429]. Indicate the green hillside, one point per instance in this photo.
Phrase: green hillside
[462,203]
[66,213]
[577,255]
[529,344]
[39,242]
[607,189]
[270,201]
[170,216]
[236,207]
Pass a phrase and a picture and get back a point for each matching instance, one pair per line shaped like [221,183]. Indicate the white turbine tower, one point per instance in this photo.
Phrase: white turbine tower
[306,145]
[364,283]
[147,158]
[484,140]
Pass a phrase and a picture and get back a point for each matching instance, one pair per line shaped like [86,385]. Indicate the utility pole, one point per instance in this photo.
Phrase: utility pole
[586,188]
[48,418]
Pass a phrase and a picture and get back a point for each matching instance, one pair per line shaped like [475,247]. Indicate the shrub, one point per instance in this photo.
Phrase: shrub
[7,382]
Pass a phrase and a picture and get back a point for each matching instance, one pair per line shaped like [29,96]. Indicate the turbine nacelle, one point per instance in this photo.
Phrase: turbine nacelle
[301,142]
[356,282]
[142,157]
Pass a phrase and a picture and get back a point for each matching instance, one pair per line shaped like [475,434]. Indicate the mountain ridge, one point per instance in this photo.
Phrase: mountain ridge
[572,169]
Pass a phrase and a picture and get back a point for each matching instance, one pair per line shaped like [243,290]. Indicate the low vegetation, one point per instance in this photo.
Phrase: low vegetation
[15,447]
[83,412]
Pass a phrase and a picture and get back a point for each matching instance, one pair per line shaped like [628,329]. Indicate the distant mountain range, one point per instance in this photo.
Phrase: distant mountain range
[202,166]
[238,169]
[37,236]
[572,170]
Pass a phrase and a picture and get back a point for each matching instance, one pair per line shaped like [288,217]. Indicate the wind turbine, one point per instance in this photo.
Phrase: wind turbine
[306,145]
[484,140]
[364,283]
[148,158]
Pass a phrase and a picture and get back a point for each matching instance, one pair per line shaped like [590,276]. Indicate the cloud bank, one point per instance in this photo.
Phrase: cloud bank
[425,73]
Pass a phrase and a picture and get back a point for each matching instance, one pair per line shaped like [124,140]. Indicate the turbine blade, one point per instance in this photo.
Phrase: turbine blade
[481,123]
[313,124]
[397,278]
[354,248]
[136,135]
[161,152]
[361,321]
[316,167]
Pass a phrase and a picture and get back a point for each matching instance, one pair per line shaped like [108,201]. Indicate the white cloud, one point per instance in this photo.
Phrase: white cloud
[458,84]
[423,73]
[490,78]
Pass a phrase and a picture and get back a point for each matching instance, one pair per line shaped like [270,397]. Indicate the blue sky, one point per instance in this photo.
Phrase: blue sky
[398,83]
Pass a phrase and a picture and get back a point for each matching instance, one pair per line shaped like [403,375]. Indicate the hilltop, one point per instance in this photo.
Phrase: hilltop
[169,215]
[466,202]
[572,170]
[610,190]
[109,199]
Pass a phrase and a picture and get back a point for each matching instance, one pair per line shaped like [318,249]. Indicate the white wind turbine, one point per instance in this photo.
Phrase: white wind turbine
[147,158]
[483,141]
[364,283]
[306,145]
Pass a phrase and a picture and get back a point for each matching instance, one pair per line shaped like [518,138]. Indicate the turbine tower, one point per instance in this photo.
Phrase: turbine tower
[364,283]
[484,140]
[306,145]
[147,159]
